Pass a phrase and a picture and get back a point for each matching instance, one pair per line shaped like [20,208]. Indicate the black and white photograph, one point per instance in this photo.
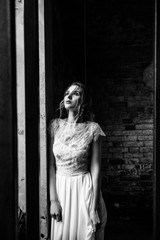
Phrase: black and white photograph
[79,115]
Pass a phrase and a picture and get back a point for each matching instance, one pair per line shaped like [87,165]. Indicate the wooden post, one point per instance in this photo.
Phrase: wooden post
[8,123]
[31,43]
[49,83]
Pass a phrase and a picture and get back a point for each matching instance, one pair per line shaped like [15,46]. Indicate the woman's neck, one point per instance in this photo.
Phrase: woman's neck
[72,117]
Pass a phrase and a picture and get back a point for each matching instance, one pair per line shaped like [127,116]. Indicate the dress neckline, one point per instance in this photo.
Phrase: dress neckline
[73,123]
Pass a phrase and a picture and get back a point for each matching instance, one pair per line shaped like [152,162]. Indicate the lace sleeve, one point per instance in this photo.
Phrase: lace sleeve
[53,126]
[97,131]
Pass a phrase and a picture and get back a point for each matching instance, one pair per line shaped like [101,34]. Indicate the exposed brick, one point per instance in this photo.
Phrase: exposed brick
[133,132]
[144,126]
[115,139]
[142,138]
[146,149]
[118,149]
[114,128]
[133,155]
[143,121]
[133,144]
[148,155]
[139,132]
[148,143]
[117,133]
[135,160]
[131,138]
[147,132]
[118,155]
[128,167]
[146,160]
[134,149]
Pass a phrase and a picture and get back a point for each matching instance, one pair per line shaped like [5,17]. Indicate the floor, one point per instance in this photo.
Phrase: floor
[128,231]
[125,235]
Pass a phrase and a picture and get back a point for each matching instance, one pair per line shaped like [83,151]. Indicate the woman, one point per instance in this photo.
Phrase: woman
[77,208]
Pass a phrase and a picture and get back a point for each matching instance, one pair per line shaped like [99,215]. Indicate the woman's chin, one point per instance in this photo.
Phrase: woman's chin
[69,107]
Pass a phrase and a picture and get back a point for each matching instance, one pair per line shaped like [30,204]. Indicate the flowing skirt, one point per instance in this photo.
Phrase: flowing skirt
[75,195]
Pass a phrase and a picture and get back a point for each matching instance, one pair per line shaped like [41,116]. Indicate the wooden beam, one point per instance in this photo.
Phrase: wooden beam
[49,57]
[49,80]
[8,123]
[31,43]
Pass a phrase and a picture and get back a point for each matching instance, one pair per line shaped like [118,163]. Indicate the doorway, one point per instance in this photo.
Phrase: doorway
[109,46]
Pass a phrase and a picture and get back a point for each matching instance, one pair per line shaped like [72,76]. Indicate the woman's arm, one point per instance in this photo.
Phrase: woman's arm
[55,208]
[52,175]
[95,173]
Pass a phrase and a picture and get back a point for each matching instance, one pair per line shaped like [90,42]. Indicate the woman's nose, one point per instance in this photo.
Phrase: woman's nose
[70,96]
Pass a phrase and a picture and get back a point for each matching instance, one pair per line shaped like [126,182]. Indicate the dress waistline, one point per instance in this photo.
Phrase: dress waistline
[71,174]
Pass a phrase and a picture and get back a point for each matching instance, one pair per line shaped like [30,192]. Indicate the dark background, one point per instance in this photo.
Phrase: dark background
[109,45]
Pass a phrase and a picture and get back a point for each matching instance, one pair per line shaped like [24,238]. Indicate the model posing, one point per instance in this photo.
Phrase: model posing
[77,208]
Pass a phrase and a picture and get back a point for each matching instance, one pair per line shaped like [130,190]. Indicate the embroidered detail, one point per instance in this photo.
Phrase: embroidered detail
[72,143]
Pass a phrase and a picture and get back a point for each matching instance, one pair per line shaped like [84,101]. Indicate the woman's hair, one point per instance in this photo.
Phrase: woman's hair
[84,113]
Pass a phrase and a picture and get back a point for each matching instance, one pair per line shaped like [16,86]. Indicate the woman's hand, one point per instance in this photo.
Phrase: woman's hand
[94,219]
[56,210]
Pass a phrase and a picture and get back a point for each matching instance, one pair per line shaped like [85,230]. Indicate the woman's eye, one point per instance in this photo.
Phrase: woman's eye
[66,94]
[77,93]
[73,93]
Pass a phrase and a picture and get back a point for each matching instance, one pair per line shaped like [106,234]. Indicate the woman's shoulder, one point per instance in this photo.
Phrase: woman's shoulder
[96,130]
[93,124]
[53,122]
[53,125]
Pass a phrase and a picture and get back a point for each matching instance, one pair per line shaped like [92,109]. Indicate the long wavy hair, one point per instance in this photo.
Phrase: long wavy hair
[84,109]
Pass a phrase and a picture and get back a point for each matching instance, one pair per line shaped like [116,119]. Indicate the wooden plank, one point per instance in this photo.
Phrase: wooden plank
[49,80]
[43,160]
[8,122]
[49,67]
[32,117]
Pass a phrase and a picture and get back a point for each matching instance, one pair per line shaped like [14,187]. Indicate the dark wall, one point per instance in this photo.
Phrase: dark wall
[120,74]
[120,68]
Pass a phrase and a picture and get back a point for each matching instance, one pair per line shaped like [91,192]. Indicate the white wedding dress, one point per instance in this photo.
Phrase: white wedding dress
[71,150]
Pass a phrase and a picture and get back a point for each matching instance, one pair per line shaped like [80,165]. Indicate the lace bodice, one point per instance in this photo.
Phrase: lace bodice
[72,144]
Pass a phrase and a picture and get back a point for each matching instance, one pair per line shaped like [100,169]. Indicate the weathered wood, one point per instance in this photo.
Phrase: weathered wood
[49,78]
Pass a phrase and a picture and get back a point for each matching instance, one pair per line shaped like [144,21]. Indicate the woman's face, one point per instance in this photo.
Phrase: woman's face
[72,97]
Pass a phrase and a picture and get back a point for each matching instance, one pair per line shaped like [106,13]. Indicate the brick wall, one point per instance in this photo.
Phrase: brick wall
[121,75]
[127,153]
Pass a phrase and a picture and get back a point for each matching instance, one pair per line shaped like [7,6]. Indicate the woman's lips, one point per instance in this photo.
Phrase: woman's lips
[68,101]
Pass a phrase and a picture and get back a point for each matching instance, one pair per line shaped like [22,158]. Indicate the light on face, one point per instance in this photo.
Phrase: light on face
[73,90]
[74,94]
